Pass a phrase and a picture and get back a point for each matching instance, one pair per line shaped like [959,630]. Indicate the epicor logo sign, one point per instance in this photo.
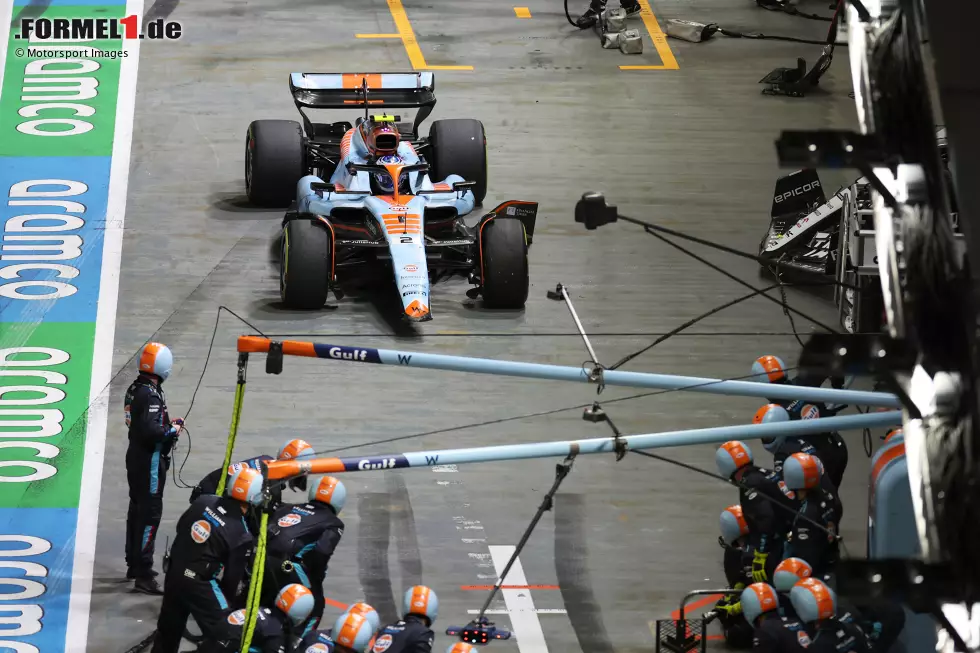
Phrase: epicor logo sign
[100,29]
[805,188]
[28,246]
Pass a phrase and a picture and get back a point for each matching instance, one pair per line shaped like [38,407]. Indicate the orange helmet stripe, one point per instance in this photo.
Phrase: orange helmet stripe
[772,367]
[149,356]
[325,490]
[737,452]
[825,602]
[420,599]
[736,512]
[348,632]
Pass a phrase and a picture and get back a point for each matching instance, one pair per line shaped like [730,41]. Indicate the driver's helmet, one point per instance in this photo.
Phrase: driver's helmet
[383,180]
[380,135]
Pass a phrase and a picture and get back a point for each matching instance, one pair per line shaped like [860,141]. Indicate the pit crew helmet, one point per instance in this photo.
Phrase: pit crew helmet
[421,601]
[234,470]
[156,359]
[380,134]
[813,600]
[295,450]
[801,471]
[789,572]
[353,632]
[296,602]
[770,368]
[757,599]
[461,647]
[368,613]
[331,491]
[771,414]
[732,456]
[895,434]
[733,525]
[247,487]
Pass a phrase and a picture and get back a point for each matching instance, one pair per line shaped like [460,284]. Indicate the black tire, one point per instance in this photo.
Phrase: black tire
[274,162]
[459,147]
[306,263]
[504,261]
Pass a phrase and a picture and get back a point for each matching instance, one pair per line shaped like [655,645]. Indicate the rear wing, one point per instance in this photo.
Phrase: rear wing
[365,90]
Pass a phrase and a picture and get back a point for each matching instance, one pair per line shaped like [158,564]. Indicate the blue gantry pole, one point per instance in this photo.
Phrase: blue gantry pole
[285,469]
[255,344]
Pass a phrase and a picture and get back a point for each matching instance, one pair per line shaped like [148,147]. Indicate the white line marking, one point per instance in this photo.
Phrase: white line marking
[536,611]
[79,602]
[520,606]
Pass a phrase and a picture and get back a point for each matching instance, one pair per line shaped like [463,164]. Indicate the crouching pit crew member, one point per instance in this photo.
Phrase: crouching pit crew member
[207,563]
[766,508]
[352,633]
[737,564]
[816,606]
[275,628]
[324,637]
[302,539]
[413,632]
[152,435]
[773,633]
[813,535]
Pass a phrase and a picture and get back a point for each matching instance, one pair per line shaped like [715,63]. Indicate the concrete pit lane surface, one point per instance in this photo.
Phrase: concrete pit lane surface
[686,142]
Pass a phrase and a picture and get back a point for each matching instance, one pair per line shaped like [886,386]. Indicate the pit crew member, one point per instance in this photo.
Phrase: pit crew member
[413,632]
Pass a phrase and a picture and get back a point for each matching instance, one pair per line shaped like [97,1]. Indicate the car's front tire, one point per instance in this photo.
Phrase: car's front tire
[306,263]
[503,258]
[458,146]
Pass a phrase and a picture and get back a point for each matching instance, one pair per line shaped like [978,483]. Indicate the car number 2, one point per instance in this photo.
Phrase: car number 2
[405,239]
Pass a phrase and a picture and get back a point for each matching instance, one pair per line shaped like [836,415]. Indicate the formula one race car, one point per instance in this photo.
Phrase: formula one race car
[380,203]
[811,237]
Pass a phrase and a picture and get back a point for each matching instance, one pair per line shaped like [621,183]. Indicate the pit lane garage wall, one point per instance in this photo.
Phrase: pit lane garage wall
[65,130]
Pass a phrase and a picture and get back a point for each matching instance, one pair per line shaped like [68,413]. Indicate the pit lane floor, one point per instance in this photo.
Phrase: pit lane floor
[690,148]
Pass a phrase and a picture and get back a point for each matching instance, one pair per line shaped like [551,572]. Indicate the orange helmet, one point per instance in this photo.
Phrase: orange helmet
[353,632]
[801,471]
[381,138]
[296,449]
[733,525]
[771,368]
[813,600]
[789,572]
[757,599]
[296,602]
[894,433]
[732,456]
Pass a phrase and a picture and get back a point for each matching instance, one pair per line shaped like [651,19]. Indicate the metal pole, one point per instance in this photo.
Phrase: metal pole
[257,344]
[282,469]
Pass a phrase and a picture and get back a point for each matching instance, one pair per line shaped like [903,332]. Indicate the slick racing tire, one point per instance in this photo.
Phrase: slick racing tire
[458,146]
[273,162]
[305,266]
[503,256]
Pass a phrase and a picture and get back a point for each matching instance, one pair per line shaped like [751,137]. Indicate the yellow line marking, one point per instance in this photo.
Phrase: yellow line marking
[407,34]
[522,12]
[378,36]
[659,40]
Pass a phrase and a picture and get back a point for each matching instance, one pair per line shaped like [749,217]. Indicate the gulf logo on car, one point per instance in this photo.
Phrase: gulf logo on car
[200,531]
[290,520]
[382,643]
[810,412]
[237,618]
[318,648]
[411,267]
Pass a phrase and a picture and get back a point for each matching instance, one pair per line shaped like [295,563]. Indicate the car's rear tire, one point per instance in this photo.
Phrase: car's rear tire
[458,146]
[503,256]
[306,263]
[274,162]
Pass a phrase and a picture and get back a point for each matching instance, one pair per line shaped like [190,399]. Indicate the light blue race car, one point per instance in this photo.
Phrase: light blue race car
[362,195]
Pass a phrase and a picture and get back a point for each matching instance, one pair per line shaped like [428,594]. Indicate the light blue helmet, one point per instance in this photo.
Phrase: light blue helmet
[156,359]
[732,456]
[329,490]
[789,572]
[801,471]
[234,470]
[813,600]
[352,631]
[367,612]
[733,524]
[296,602]
[422,601]
[771,414]
[247,487]
[770,368]
[757,599]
